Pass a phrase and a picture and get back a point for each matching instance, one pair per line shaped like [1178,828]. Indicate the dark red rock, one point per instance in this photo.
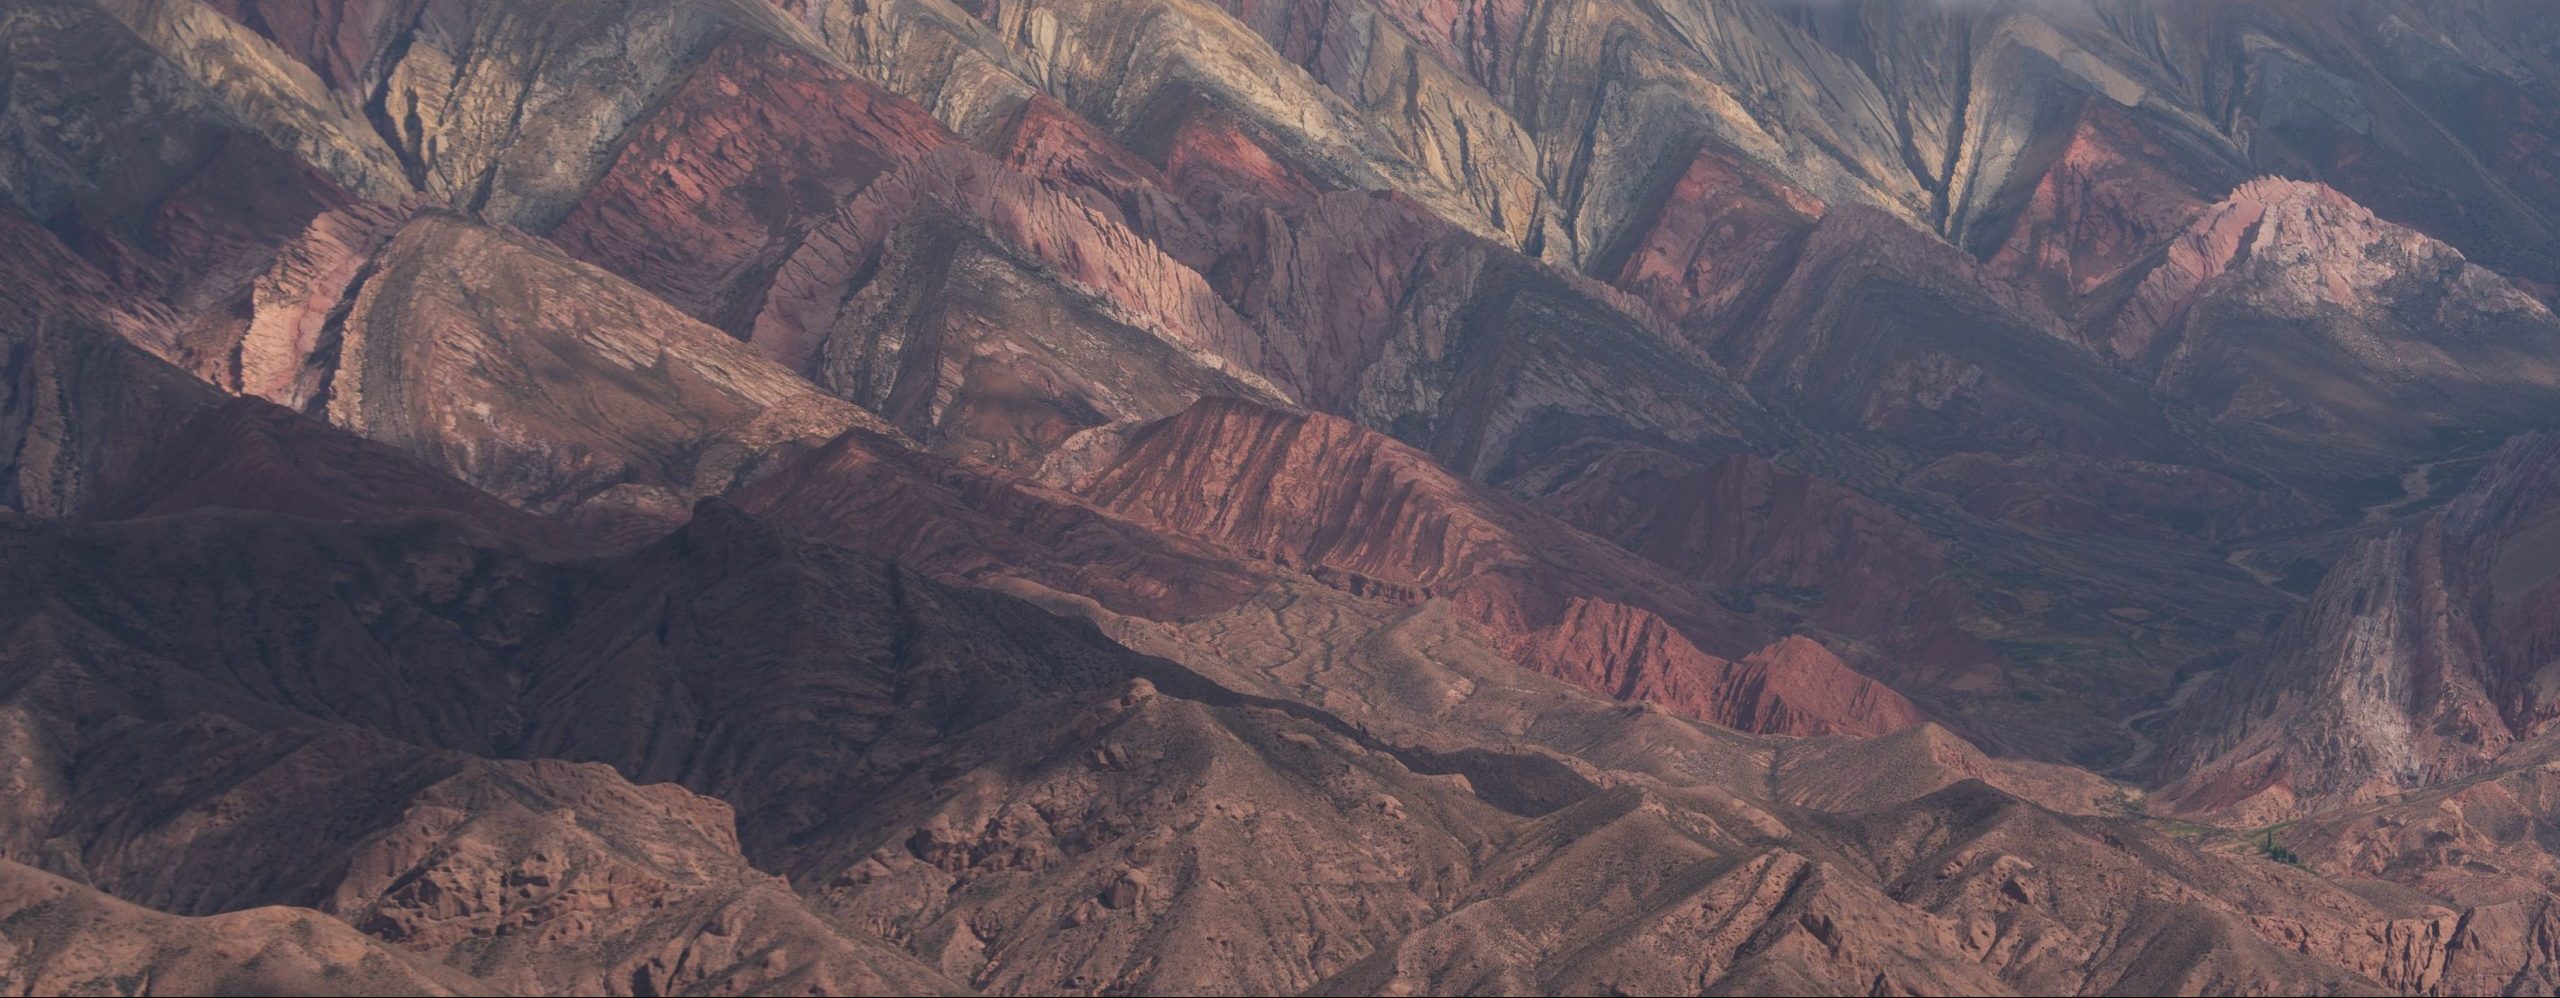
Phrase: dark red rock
[1378,312]
[1214,161]
[2110,196]
[1339,282]
[1793,687]
[2024,374]
[1725,236]
[721,183]
[1364,513]
[247,454]
[1318,494]
[1758,532]
[1048,141]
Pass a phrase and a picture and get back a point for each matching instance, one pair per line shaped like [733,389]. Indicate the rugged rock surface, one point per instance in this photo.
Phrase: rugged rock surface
[548,383]
[952,519]
[80,411]
[1040,818]
[1793,687]
[1770,537]
[1362,513]
[2424,657]
[1132,495]
[2289,306]
[1320,494]
[996,316]
[68,939]
[1883,330]
[1486,360]
[733,169]
[1723,239]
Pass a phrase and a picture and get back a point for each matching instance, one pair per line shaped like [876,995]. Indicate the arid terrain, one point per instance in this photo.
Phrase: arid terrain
[1024,497]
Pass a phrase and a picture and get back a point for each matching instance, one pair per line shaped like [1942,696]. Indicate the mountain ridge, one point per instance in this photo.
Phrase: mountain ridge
[1082,496]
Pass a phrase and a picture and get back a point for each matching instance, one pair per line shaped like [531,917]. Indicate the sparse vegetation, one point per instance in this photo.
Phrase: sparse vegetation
[2268,847]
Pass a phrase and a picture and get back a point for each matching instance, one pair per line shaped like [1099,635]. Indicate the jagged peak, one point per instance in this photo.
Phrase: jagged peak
[1792,686]
[2298,248]
[2317,223]
[2272,189]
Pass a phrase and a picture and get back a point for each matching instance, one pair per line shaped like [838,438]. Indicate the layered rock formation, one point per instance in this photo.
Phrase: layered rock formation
[2289,306]
[1320,494]
[1108,496]
[735,167]
[1793,687]
[2424,657]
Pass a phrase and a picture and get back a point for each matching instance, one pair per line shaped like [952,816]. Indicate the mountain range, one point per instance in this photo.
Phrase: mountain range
[652,497]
